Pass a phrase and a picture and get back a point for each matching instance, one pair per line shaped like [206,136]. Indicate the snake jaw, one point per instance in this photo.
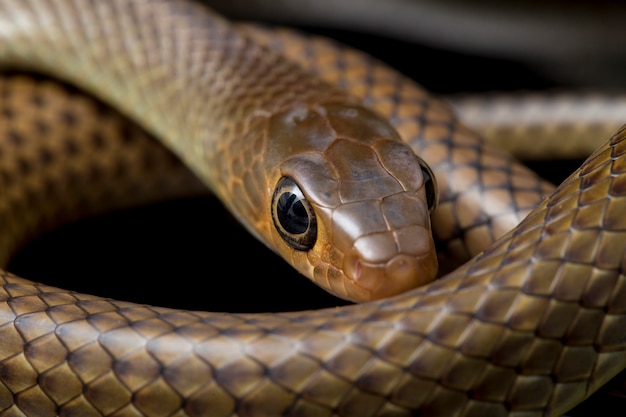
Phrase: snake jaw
[400,274]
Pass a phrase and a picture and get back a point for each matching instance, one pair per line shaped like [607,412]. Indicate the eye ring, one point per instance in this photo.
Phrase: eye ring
[430,185]
[293,215]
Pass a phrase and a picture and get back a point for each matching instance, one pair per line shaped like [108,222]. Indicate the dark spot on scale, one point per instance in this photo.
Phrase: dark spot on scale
[38,100]
[6,178]
[42,127]
[15,138]
[97,140]
[45,156]
[8,113]
[24,166]
[70,147]
[127,134]
[68,118]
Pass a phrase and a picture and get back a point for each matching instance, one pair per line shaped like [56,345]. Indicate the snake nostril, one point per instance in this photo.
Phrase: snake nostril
[353,267]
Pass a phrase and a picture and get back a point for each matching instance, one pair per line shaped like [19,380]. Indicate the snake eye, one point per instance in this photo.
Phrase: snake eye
[430,186]
[293,216]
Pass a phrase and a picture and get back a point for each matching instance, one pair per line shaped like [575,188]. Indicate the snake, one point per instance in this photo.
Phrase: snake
[532,324]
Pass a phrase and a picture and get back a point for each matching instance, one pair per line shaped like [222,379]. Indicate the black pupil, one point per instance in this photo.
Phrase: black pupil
[292,214]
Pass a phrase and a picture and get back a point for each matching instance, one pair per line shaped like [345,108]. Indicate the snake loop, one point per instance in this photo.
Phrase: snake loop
[531,325]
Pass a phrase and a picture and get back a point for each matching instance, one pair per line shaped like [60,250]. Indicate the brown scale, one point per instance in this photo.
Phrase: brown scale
[65,156]
[507,334]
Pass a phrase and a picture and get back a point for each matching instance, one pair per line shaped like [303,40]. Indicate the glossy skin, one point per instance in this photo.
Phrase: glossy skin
[507,333]
[258,111]
[366,190]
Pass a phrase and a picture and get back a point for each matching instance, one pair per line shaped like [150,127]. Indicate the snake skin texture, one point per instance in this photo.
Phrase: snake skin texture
[483,191]
[531,326]
[571,125]
[65,156]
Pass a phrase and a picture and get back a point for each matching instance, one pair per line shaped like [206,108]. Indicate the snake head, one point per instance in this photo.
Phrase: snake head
[334,190]
[350,202]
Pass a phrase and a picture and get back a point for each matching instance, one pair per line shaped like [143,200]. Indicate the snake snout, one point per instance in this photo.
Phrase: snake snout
[400,274]
[407,264]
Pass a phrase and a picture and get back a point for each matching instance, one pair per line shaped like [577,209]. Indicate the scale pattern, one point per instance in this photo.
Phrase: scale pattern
[506,334]
[484,191]
[530,327]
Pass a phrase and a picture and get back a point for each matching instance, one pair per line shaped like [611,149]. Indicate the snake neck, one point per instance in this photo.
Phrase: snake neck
[197,88]
[213,95]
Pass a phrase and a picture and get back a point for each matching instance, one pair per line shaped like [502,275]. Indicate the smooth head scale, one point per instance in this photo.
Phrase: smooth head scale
[349,200]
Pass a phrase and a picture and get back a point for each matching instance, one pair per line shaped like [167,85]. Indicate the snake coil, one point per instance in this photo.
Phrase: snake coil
[531,325]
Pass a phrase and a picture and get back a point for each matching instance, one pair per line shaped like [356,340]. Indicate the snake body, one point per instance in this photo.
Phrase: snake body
[530,326]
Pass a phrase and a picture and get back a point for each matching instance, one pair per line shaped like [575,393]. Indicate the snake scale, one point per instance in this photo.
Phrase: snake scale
[530,326]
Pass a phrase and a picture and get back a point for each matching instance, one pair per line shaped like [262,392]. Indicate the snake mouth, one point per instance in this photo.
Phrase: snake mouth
[395,276]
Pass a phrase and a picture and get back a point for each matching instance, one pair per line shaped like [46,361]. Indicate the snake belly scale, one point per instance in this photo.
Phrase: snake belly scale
[531,326]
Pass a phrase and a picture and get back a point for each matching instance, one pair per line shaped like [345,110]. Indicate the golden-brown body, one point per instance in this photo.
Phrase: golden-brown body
[532,326]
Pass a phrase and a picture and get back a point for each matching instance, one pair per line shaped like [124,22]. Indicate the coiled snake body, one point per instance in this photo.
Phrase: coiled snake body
[531,326]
